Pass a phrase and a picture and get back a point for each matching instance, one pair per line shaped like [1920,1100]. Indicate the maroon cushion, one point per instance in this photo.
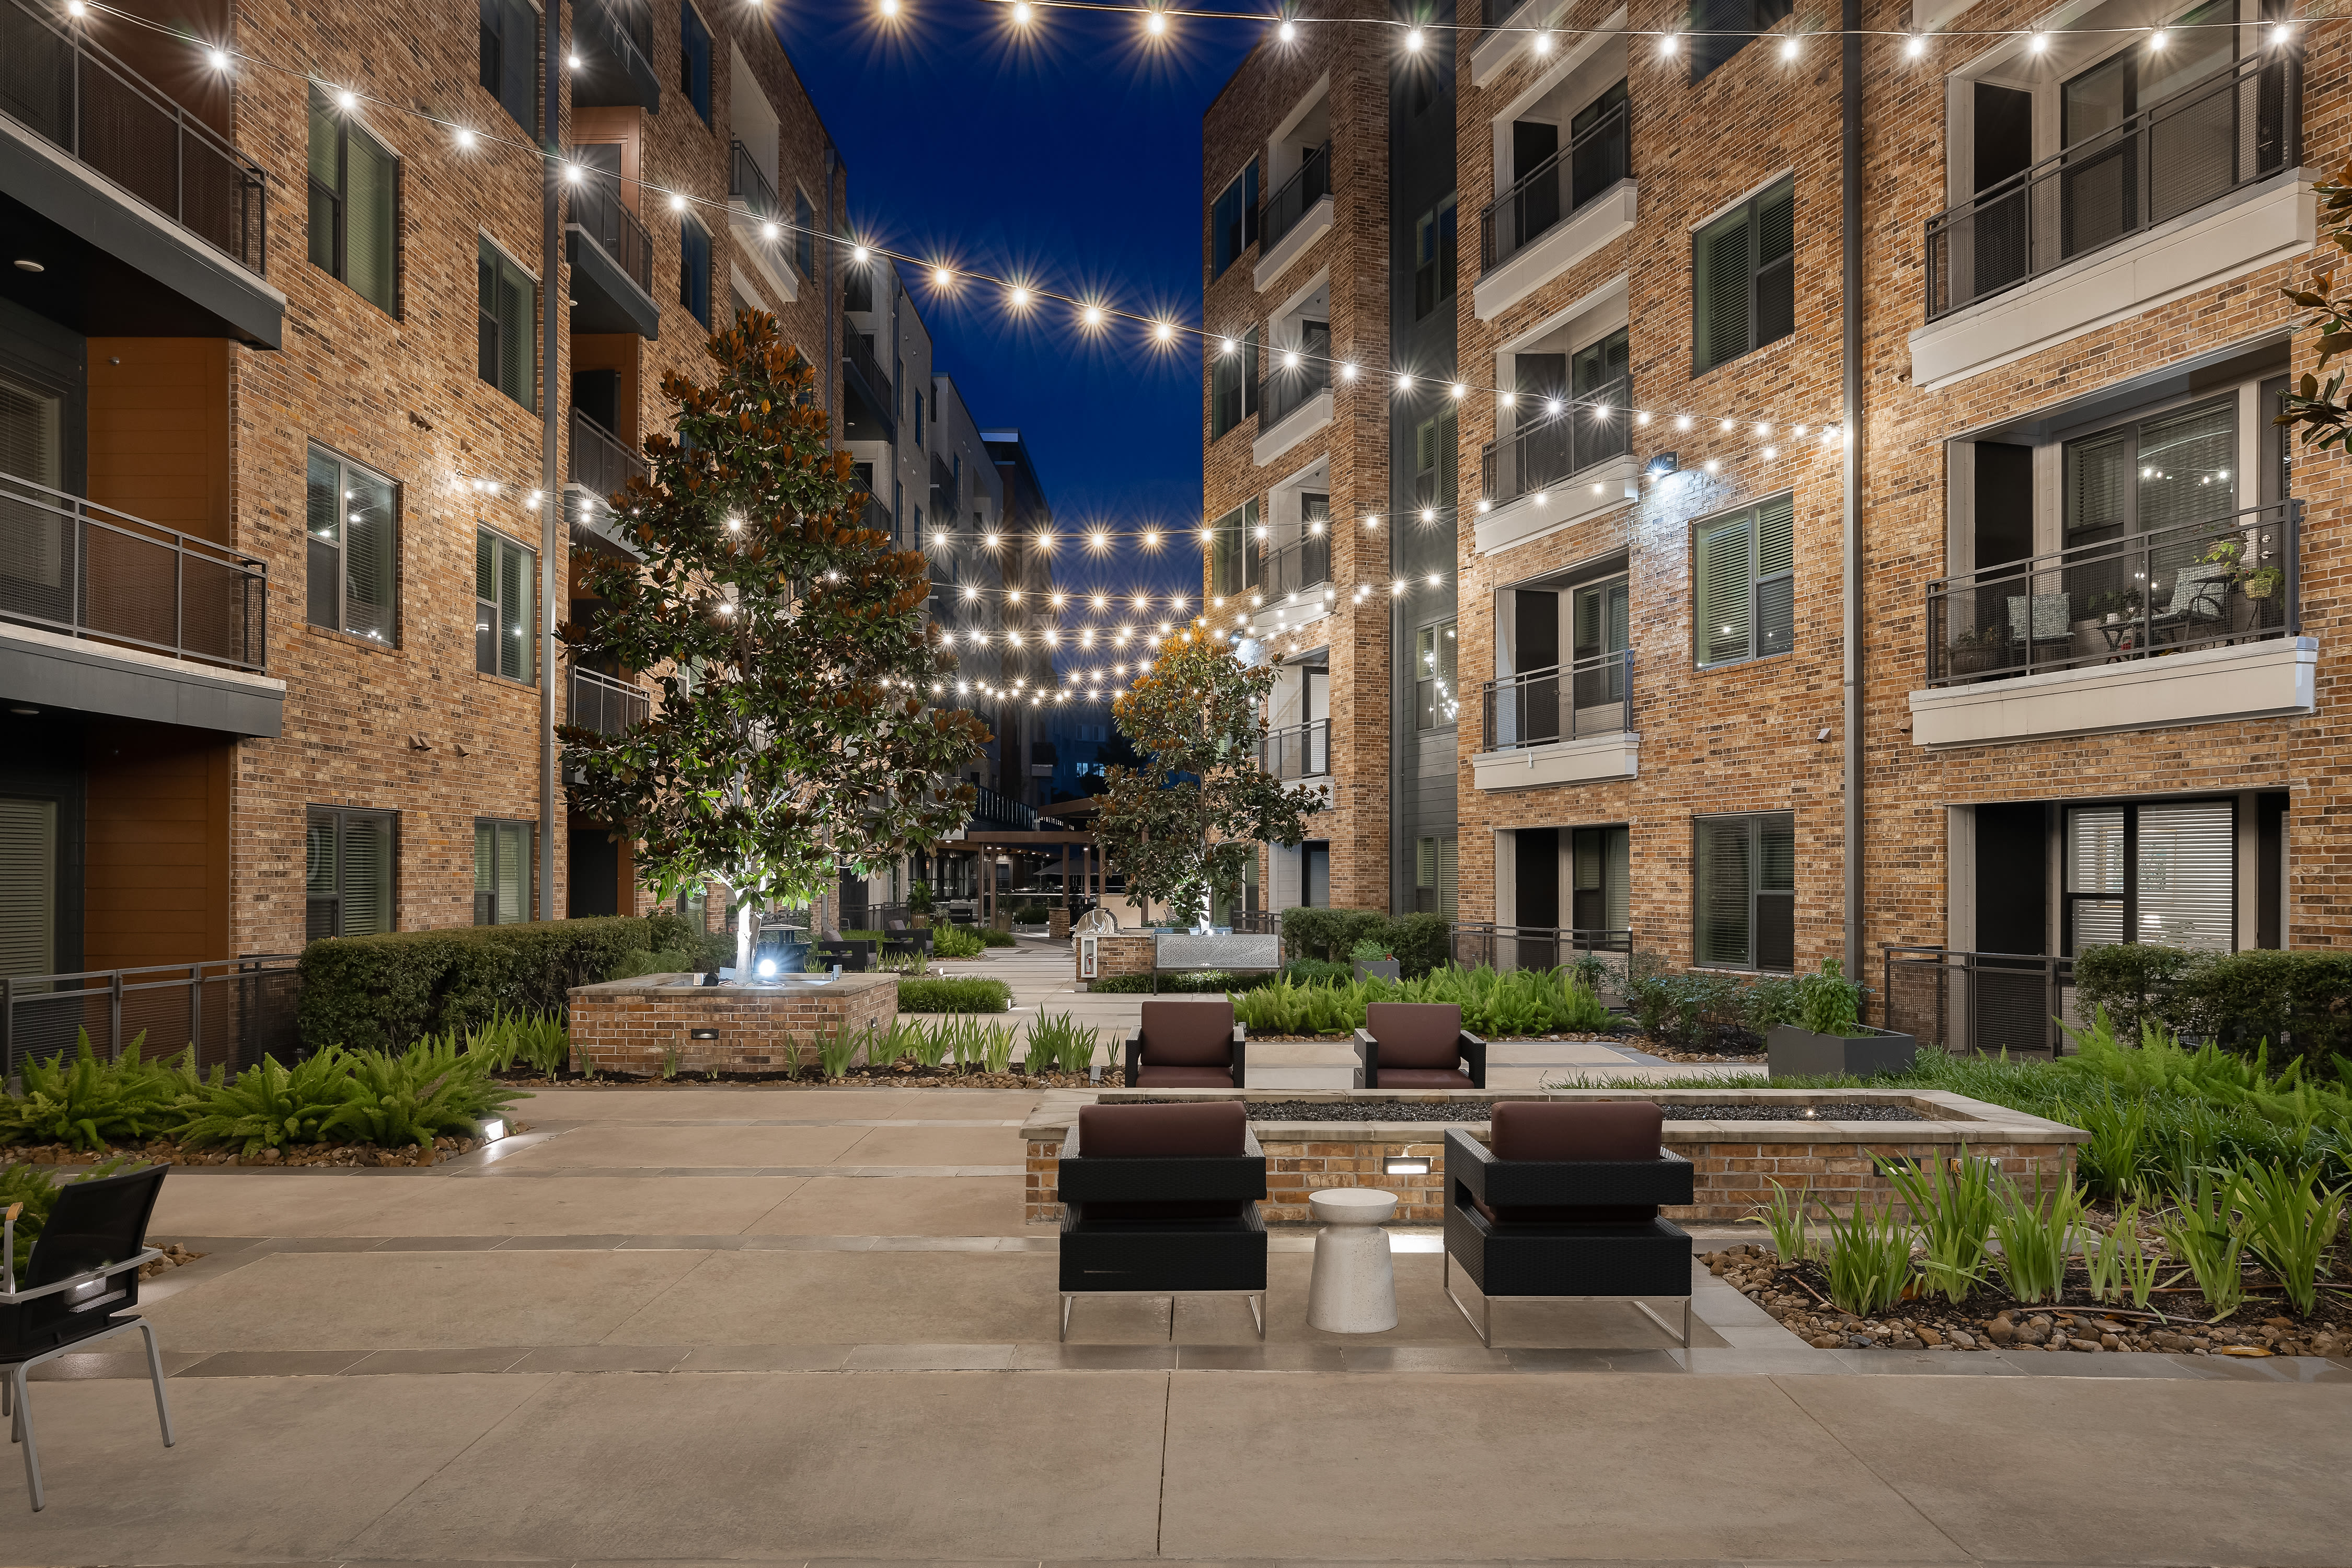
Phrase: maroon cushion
[1188,1034]
[1415,1034]
[1419,1077]
[1577,1130]
[1161,1131]
[1184,1077]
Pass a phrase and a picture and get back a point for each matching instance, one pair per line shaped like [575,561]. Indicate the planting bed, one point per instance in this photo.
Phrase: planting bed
[1475,1111]
[905,1074]
[164,1151]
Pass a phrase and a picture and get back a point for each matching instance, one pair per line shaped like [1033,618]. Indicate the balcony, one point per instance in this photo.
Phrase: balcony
[2194,624]
[599,463]
[757,214]
[1561,725]
[1297,750]
[872,513]
[1556,214]
[615,40]
[1002,813]
[146,222]
[605,704]
[106,613]
[1294,216]
[612,263]
[2197,188]
[1292,405]
[1557,469]
[874,418]
[1293,569]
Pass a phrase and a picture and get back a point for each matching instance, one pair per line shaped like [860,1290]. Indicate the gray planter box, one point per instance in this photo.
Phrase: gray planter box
[1793,1050]
[1386,969]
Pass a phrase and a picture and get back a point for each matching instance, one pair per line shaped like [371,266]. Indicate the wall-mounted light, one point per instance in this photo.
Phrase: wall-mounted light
[1406,1165]
[1662,465]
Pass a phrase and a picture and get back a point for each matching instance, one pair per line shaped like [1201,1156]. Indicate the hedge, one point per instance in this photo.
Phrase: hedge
[379,992]
[965,995]
[2297,1002]
[1422,942]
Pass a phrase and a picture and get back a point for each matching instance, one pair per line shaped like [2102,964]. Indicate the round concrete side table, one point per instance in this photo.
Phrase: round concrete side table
[1354,1288]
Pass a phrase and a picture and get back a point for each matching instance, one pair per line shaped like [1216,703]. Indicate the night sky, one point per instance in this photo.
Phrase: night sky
[1070,156]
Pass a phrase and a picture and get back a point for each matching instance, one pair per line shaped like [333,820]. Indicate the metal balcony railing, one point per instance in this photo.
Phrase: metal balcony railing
[1477,943]
[234,1011]
[1978,1003]
[1291,200]
[114,121]
[605,704]
[624,31]
[1297,750]
[857,353]
[748,183]
[1596,159]
[602,216]
[1590,696]
[599,461]
[1003,813]
[1551,449]
[1302,565]
[2236,127]
[1284,391]
[2233,578]
[68,565]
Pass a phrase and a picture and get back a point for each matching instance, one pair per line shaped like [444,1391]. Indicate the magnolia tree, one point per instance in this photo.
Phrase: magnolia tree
[1185,826]
[2322,409]
[794,732]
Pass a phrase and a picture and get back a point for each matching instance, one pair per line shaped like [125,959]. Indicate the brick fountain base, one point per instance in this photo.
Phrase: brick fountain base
[633,1026]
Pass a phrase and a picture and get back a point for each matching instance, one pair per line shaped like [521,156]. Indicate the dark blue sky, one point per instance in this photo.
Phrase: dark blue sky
[1071,155]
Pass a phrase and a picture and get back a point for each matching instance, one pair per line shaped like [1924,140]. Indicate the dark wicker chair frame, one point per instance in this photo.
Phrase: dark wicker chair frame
[83,1272]
[1472,1049]
[1174,1257]
[1603,1261]
[854,957]
[1134,1057]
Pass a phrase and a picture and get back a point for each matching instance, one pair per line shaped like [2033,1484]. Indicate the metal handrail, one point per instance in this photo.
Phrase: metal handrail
[1595,160]
[599,462]
[88,571]
[599,213]
[629,35]
[1003,811]
[2229,579]
[1289,201]
[1526,709]
[1592,427]
[1297,750]
[1284,393]
[748,183]
[1303,564]
[605,703]
[233,1010]
[2243,125]
[1475,942]
[1966,1002]
[858,350]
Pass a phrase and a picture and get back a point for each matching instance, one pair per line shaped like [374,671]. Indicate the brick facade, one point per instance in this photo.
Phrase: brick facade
[636,1028]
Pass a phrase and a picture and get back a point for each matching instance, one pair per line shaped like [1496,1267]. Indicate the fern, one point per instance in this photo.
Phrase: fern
[269,1106]
[90,1103]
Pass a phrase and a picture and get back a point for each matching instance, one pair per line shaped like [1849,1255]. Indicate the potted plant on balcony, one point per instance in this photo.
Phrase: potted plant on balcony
[1974,652]
[1373,960]
[1829,1037]
[2262,582]
[918,905]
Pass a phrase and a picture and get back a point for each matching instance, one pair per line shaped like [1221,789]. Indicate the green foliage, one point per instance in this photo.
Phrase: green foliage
[2298,1002]
[2200,1234]
[1420,943]
[838,1047]
[89,1103]
[269,1106]
[1867,1257]
[1371,952]
[995,1048]
[2132,983]
[2290,1223]
[2117,1266]
[430,1091]
[918,897]
[1197,981]
[667,961]
[963,995]
[1031,912]
[31,1186]
[378,992]
[1953,1206]
[1828,1003]
[990,937]
[1057,1043]
[1515,1003]
[1695,1009]
[2034,1236]
[955,941]
[1784,1219]
[2117,1159]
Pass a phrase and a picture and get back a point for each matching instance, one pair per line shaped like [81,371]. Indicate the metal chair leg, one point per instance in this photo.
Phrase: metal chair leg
[156,1373]
[1257,1311]
[24,1429]
[1067,1301]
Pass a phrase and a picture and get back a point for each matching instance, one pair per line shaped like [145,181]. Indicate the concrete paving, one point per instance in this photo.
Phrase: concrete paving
[726,1325]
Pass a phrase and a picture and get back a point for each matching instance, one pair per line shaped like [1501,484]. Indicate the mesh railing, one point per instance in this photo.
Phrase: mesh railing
[749,184]
[1592,696]
[605,704]
[233,1011]
[1978,1003]
[1592,427]
[602,216]
[858,349]
[2229,579]
[78,96]
[1297,750]
[1293,568]
[1284,391]
[599,461]
[1291,200]
[71,566]
[1597,158]
[2241,125]
[1537,947]
[624,31]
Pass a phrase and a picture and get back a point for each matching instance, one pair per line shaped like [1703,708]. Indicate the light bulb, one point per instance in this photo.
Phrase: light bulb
[1787,48]
[889,7]
[941,278]
[2038,42]
[1020,297]
[573,61]
[1155,24]
[1682,421]
[1666,45]
[2156,39]
[1510,399]
[1404,382]
[1461,391]
[857,253]
[1413,39]
[1094,316]
[347,101]
[1224,345]
[216,58]
[1164,331]
[1021,13]
[1543,45]
[1290,32]
[769,231]
[1915,47]
[1553,406]
[1347,372]
[465,137]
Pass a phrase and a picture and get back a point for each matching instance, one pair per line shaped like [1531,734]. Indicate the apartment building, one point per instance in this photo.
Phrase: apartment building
[307,406]
[1991,556]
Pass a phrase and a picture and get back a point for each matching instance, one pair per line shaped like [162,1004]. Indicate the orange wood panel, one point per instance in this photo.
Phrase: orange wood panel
[159,431]
[156,883]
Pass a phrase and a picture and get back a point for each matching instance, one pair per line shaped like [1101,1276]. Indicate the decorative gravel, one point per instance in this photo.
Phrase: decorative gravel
[1440,1110]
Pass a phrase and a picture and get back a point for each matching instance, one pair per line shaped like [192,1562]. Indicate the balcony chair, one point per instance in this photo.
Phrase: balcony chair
[1162,1200]
[2200,599]
[1418,1045]
[2049,627]
[82,1275]
[1187,1044]
[1564,1206]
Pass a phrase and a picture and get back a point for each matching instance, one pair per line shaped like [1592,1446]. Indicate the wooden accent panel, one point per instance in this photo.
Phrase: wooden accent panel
[614,351]
[155,861]
[616,123]
[159,431]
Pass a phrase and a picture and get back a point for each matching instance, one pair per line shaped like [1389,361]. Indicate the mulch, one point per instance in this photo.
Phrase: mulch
[906,1075]
[161,1151]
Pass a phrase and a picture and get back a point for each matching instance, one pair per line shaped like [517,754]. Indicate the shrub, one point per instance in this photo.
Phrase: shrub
[1421,943]
[634,965]
[1370,951]
[1522,1002]
[966,995]
[1827,1003]
[1198,982]
[1314,971]
[90,1103]
[1031,913]
[955,941]
[990,937]
[376,992]
[2297,1001]
[2135,982]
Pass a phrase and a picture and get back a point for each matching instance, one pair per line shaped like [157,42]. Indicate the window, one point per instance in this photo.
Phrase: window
[501,872]
[353,523]
[1233,564]
[1232,384]
[354,206]
[347,872]
[1721,28]
[509,54]
[2152,473]
[1744,882]
[1314,875]
[509,307]
[2165,873]
[1434,879]
[1436,255]
[1232,222]
[1435,478]
[919,419]
[694,266]
[694,62]
[1744,567]
[804,236]
[1600,883]
[1435,699]
[857,291]
[503,572]
[1744,279]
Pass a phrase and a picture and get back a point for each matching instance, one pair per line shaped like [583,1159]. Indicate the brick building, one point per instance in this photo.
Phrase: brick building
[1991,553]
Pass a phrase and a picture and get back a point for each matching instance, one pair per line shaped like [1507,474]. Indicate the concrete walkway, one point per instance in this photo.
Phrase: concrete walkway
[689,1324]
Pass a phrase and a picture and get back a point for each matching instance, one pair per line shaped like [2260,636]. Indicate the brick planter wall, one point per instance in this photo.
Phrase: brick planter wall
[1128,953]
[630,1026]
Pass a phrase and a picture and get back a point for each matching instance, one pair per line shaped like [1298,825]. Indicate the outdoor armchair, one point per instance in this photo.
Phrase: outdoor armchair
[1418,1045]
[1187,1044]
[1162,1200]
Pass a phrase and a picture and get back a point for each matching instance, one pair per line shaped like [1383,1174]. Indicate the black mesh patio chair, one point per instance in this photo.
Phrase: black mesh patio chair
[1563,1207]
[83,1273]
[1162,1200]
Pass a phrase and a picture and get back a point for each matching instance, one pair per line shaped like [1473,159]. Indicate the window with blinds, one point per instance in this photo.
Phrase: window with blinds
[29,886]
[1601,874]
[354,206]
[501,872]
[1744,279]
[1437,702]
[509,303]
[349,872]
[1436,472]
[510,57]
[1744,890]
[1232,384]
[352,520]
[2152,473]
[1744,600]
[503,570]
[34,543]
[1233,564]
[2165,873]
[1434,877]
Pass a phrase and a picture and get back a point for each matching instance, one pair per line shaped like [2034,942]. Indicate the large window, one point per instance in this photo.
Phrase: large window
[1721,28]
[804,235]
[1233,564]
[347,872]
[503,571]
[355,184]
[1436,445]
[353,520]
[1601,882]
[1232,384]
[1744,885]
[2164,873]
[501,872]
[1744,279]
[694,61]
[510,302]
[1743,571]
[510,57]
[1434,877]
[1436,255]
[694,266]
[1232,221]
[1435,699]
[2152,473]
